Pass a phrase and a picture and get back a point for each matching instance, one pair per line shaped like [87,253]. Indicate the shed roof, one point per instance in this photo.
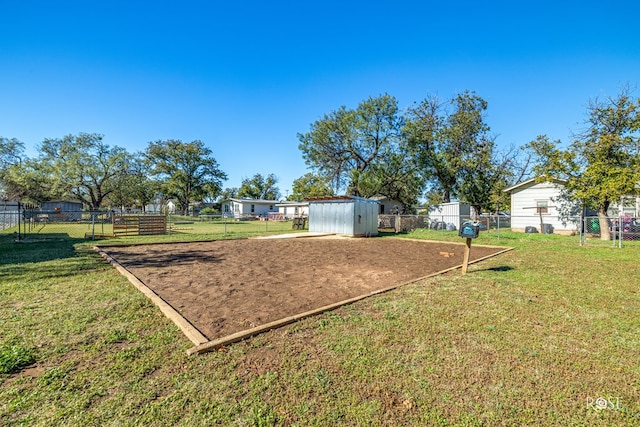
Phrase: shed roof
[331,198]
[255,201]
[533,181]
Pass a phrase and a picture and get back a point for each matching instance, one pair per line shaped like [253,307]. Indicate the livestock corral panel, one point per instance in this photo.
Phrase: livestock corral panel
[139,225]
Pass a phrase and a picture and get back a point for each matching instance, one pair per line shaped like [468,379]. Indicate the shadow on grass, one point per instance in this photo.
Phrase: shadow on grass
[386,233]
[44,247]
[500,268]
[158,256]
[32,261]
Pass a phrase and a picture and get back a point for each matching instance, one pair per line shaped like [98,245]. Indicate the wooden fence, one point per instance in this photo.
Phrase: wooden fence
[139,225]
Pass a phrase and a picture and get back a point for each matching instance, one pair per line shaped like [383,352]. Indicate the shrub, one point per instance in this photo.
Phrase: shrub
[208,211]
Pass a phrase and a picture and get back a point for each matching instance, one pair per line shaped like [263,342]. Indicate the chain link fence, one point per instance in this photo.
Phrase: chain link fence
[28,222]
[615,230]
[24,222]
[612,231]
[404,223]
[9,217]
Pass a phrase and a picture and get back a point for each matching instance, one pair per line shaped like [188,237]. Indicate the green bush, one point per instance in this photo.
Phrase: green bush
[208,211]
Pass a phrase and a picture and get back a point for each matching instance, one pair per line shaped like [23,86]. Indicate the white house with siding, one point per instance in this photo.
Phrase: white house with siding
[245,208]
[290,210]
[543,205]
[388,206]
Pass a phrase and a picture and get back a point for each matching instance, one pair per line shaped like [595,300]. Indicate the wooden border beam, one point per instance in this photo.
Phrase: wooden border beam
[247,333]
[185,326]
[202,344]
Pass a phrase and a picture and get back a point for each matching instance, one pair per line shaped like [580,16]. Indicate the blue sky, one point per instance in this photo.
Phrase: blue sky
[246,77]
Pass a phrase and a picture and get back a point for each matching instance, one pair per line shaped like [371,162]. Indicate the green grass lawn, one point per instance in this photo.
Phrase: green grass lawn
[546,334]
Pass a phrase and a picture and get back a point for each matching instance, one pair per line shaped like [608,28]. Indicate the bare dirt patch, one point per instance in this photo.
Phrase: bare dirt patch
[226,286]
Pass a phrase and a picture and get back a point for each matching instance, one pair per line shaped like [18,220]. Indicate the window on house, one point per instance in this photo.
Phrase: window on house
[542,207]
[253,208]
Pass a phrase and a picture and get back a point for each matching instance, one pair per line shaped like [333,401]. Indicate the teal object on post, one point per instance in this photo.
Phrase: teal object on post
[469,229]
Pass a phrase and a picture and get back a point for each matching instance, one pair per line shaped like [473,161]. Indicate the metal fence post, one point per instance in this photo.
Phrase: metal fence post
[581,229]
[620,226]
[19,215]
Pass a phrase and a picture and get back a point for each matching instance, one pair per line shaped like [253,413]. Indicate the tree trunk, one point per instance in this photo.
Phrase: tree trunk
[603,220]
[446,196]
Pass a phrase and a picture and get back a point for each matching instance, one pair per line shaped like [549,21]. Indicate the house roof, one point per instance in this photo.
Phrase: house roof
[330,198]
[533,181]
[78,202]
[255,201]
[292,204]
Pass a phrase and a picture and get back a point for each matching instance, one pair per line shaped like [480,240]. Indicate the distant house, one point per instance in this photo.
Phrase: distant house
[159,207]
[290,210]
[62,210]
[545,206]
[244,208]
[388,206]
[9,214]
[8,206]
[630,207]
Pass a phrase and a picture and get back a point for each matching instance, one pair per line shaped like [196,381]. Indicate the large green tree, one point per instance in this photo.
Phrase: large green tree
[310,185]
[444,137]
[260,187]
[485,175]
[135,188]
[11,152]
[396,178]
[228,193]
[345,144]
[27,181]
[83,167]
[602,163]
[186,171]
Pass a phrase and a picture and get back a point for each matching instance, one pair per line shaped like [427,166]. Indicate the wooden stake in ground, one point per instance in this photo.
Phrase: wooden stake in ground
[469,230]
[467,252]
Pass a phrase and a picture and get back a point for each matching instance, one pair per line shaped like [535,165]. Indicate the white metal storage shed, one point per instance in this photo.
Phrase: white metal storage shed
[348,215]
[451,213]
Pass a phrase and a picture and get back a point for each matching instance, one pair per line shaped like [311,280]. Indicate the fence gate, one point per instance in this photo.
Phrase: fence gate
[139,225]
